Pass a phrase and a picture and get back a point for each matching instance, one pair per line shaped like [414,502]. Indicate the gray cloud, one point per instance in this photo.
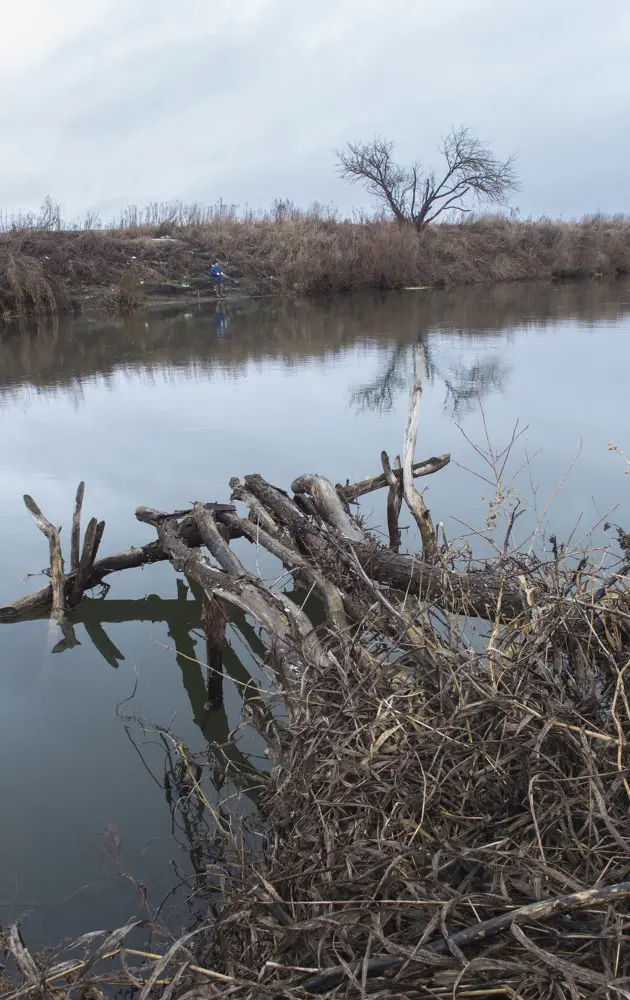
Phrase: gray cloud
[195,100]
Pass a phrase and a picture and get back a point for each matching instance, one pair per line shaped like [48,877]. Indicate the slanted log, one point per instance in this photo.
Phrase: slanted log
[258,514]
[287,625]
[308,537]
[296,562]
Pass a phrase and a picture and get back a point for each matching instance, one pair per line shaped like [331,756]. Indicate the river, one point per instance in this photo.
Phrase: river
[162,409]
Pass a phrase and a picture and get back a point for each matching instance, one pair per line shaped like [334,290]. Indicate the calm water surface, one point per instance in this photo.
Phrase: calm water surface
[162,409]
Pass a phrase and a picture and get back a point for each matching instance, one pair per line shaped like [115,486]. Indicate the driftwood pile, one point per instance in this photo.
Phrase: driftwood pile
[447,815]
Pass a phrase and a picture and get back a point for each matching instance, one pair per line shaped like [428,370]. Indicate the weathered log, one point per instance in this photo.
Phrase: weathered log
[328,505]
[292,560]
[308,538]
[257,512]
[287,625]
[216,543]
[39,602]
[351,491]
[477,594]
[57,575]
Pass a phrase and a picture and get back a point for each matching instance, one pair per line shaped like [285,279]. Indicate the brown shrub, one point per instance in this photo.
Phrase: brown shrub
[126,296]
[25,289]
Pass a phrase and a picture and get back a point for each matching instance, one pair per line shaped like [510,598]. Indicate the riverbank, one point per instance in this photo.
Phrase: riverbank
[44,271]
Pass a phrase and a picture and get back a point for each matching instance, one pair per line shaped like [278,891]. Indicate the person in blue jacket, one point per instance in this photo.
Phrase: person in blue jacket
[218,276]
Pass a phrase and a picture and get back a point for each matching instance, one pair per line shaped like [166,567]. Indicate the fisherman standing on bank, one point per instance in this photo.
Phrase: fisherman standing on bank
[218,276]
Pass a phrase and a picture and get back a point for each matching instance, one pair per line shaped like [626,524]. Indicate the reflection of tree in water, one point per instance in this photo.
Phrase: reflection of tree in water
[464,382]
[379,395]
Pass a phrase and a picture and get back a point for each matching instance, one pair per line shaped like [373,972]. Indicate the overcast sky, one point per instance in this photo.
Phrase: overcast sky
[122,101]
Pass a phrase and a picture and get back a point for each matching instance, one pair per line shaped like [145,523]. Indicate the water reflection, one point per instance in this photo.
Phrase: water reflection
[464,384]
[60,354]
[182,616]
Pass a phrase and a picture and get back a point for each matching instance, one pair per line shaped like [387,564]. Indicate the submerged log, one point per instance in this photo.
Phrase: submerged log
[39,602]
[214,622]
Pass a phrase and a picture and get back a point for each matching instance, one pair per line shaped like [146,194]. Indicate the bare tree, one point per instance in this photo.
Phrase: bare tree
[418,197]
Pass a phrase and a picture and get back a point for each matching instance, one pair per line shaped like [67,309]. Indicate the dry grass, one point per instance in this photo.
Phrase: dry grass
[126,296]
[25,288]
[289,251]
[412,799]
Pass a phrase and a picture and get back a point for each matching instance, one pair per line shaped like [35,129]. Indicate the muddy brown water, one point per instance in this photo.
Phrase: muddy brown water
[162,409]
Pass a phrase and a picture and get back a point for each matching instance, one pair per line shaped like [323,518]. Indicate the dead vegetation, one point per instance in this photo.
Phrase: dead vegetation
[43,266]
[446,815]
[126,296]
[25,288]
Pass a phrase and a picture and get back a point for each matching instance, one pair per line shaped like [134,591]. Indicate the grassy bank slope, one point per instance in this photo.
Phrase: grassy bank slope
[45,270]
